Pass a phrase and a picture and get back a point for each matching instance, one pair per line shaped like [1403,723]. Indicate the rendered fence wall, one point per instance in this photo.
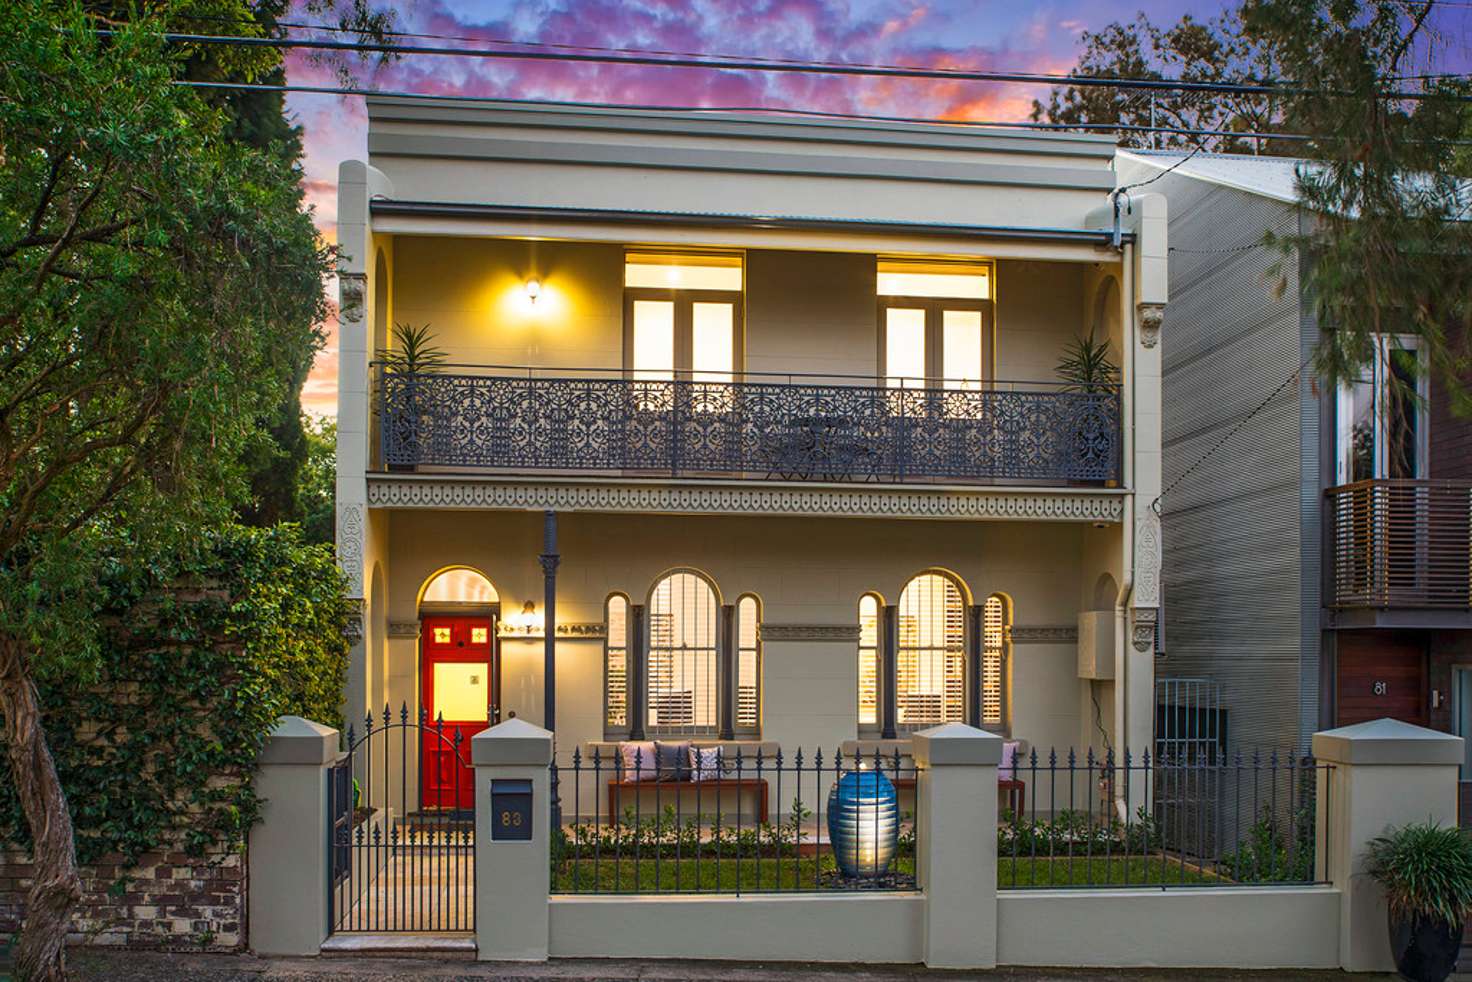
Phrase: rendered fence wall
[1190,927]
[883,928]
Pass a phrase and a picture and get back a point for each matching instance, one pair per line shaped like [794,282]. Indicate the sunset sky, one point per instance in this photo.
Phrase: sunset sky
[984,34]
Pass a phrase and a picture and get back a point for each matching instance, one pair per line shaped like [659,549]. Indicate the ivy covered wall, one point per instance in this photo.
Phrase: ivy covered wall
[157,751]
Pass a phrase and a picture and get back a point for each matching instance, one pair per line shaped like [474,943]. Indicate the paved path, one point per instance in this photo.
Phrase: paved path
[99,965]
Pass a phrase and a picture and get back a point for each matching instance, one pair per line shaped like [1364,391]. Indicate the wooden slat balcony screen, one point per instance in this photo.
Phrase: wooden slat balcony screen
[755,428]
[1401,543]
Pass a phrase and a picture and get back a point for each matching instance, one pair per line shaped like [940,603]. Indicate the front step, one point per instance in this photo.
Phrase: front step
[405,944]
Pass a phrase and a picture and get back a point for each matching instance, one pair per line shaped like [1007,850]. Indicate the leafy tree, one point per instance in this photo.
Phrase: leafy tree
[1216,50]
[316,491]
[159,285]
[1385,197]
[211,649]
[1383,191]
[257,118]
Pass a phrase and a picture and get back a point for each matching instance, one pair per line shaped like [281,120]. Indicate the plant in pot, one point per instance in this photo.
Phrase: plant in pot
[1426,870]
[1086,367]
[411,356]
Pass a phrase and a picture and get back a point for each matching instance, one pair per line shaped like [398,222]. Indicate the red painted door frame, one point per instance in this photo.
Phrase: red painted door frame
[447,779]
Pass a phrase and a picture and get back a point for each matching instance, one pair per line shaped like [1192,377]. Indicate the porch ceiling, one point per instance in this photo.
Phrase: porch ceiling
[1092,505]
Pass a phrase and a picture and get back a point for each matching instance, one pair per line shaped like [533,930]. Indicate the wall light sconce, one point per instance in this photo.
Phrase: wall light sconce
[533,289]
[525,623]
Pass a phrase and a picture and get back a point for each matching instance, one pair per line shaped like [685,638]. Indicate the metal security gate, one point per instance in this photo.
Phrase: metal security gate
[396,865]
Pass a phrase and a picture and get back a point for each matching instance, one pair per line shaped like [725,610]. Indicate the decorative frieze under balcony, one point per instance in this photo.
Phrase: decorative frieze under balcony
[756,429]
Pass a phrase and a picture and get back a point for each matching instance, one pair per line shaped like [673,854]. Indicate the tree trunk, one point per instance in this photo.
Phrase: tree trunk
[40,954]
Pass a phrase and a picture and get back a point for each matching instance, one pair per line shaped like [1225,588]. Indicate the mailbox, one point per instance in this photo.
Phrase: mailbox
[511,810]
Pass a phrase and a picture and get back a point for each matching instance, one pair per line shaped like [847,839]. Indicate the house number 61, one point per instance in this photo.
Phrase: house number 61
[1380,688]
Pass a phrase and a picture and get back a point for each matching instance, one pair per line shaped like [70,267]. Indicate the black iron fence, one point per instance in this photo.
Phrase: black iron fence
[756,428]
[401,826]
[728,821]
[1118,820]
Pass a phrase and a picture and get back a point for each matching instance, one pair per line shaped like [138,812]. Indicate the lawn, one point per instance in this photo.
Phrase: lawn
[1061,871]
[709,874]
[751,875]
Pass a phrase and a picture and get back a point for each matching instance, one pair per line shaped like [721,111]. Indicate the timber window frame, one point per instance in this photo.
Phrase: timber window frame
[694,663]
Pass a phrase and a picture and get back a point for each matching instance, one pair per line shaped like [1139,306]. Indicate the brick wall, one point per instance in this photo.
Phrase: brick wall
[167,901]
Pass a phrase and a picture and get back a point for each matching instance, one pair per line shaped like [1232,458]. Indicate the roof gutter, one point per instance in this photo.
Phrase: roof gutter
[1109,238]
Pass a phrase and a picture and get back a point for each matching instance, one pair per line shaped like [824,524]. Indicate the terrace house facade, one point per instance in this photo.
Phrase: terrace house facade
[758,417]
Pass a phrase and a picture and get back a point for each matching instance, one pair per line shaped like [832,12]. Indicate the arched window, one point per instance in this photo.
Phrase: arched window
[996,636]
[683,678]
[458,585]
[930,664]
[616,665]
[748,666]
[869,607]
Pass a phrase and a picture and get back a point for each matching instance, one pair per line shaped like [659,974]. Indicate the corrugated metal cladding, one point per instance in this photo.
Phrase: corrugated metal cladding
[1233,528]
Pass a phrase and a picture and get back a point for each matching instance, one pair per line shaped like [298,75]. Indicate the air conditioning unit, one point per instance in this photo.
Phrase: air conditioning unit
[1096,644]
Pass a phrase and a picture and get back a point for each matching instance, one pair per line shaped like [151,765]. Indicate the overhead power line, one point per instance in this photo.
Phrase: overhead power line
[714,110]
[758,65]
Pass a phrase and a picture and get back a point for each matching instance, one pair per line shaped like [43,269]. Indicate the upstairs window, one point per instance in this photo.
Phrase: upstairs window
[682,318]
[935,324]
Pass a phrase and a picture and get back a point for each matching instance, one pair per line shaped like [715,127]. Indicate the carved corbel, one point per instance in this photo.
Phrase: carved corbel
[1152,315]
[352,289]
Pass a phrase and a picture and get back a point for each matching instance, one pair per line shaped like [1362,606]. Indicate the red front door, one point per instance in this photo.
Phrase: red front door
[456,682]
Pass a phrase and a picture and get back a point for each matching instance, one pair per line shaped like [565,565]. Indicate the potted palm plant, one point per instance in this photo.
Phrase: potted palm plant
[1426,870]
[1086,367]
[413,355]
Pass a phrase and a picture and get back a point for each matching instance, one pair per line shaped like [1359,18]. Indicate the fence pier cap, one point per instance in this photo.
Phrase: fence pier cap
[955,743]
[1387,741]
[294,740]
[515,742]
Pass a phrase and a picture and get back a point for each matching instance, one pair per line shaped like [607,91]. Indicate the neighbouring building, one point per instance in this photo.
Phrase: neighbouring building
[1316,562]
[774,401]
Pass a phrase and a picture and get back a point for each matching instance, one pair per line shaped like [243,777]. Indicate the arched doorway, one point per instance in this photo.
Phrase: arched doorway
[459,674]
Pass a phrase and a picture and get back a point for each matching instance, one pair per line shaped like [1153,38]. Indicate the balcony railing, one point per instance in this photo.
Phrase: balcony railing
[761,427]
[1401,543]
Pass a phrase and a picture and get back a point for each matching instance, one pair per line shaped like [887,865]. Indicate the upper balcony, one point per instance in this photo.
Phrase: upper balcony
[749,427]
[1401,553]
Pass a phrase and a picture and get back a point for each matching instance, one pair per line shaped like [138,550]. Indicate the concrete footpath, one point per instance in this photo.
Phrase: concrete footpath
[98,965]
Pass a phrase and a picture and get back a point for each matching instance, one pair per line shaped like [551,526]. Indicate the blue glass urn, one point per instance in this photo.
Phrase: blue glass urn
[863,823]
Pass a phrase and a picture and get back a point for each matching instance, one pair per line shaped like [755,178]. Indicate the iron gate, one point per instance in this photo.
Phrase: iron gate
[398,866]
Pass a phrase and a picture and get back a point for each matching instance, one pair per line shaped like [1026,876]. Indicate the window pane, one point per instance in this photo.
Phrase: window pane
[961,343]
[931,662]
[616,665]
[748,666]
[904,347]
[461,691]
[682,655]
[654,339]
[868,661]
[897,278]
[1361,430]
[666,272]
[459,586]
[993,655]
[1402,416]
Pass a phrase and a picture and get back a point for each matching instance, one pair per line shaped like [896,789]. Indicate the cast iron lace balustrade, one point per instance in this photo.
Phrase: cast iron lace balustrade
[755,428]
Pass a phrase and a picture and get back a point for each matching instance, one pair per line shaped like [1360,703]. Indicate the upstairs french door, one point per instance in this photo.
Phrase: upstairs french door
[684,334]
[934,343]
